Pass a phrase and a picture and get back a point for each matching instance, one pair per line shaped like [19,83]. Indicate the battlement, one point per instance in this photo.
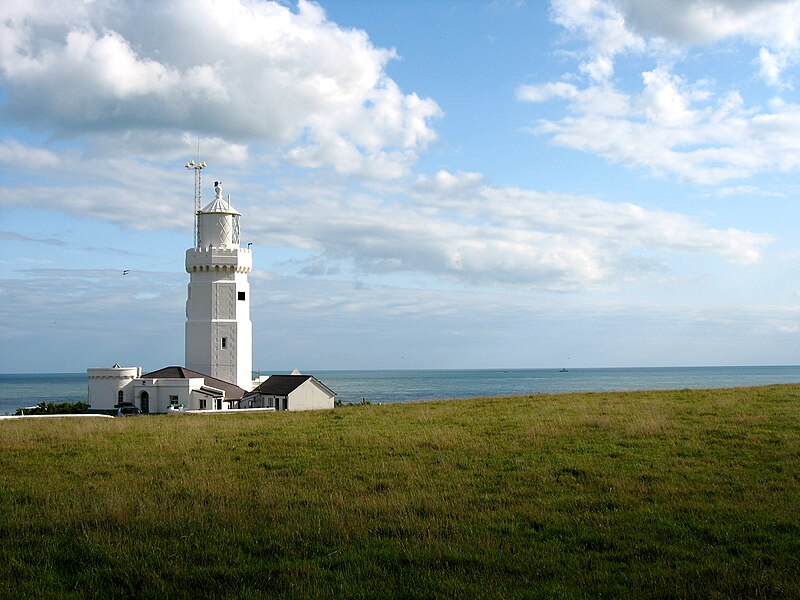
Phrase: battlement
[236,259]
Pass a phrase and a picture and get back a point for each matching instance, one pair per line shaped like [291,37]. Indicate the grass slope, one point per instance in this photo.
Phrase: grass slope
[649,494]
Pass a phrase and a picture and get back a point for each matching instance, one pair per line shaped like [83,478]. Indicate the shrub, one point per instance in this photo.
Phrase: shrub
[52,408]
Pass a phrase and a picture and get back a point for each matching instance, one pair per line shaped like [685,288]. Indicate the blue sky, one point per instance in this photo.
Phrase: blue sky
[425,184]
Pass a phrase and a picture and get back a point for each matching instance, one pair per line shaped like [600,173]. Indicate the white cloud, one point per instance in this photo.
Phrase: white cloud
[263,73]
[662,100]
[455,227]
[378,326]
[705,21]
[444,182]
[603,27]
[115,189]
[448,227]
[746,190]
[774,25]
[547,91]
[770,66]
[697,130]
[15,155]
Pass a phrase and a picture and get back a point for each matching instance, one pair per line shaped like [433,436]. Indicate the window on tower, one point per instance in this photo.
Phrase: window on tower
[241,295]
[224,342]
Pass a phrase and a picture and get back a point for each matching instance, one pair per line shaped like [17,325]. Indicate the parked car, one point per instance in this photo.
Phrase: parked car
[128,411]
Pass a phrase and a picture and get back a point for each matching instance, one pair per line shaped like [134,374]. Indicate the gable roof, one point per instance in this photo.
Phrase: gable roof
[283,385]
[232,391]
[280,385]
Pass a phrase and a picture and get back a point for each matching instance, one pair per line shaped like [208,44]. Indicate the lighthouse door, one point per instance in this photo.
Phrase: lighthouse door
[144,402]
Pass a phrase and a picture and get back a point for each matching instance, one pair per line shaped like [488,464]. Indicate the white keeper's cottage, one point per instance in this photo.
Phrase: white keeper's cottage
[218,375]
[288,392]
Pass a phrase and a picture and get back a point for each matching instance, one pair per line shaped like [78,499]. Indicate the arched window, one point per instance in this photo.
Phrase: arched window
[120,397]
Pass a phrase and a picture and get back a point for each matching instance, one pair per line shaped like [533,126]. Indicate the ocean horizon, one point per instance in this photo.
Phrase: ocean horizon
[413,385]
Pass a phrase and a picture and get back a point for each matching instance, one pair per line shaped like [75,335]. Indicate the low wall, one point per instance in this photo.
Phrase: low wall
[53,416]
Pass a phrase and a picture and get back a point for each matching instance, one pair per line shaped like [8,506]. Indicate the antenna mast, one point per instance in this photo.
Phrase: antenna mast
[197,167]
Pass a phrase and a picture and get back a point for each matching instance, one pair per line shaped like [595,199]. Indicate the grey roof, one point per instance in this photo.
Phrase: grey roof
[280,385]
[283,385]
[232,391]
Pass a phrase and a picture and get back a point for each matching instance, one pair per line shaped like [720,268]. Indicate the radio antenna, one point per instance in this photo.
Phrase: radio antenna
[197,167]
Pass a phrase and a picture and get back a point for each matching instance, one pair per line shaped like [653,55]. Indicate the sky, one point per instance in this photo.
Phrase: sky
[425,184]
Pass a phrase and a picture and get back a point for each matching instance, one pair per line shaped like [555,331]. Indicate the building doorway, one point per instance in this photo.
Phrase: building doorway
[144,402]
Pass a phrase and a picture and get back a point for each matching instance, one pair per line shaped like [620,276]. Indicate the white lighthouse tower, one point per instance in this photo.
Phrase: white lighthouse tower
[217,375]
[219,334]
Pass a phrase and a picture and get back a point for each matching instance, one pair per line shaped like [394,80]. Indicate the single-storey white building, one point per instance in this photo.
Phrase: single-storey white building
[111,388]
[157,391]
[289,392]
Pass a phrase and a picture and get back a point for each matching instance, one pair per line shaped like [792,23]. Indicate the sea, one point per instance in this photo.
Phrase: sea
[387,386]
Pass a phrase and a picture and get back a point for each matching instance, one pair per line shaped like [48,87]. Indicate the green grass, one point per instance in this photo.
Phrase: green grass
[684,494]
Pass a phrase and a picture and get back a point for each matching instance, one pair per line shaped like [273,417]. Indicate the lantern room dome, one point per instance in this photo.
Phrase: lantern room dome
[218,204]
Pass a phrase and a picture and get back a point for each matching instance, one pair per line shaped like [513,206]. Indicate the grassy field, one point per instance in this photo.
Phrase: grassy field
[684,494]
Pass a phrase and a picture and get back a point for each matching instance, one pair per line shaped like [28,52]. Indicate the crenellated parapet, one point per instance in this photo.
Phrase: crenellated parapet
[236,260]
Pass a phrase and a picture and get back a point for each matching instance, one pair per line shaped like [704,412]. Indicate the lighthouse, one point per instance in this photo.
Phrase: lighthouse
[219,333]
[218,370]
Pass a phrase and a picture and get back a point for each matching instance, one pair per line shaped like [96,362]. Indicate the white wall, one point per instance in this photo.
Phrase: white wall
[310,396]
[214,311]
[160,390]
[105,385]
